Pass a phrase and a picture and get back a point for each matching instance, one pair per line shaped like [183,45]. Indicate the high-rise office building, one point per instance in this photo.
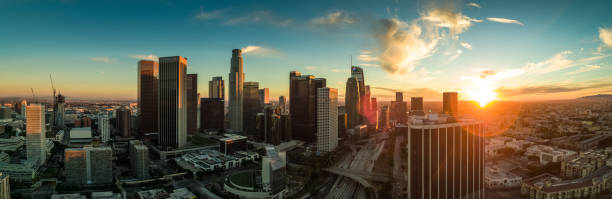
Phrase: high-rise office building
[303,104]
[235,92]
[342,122]
[383,118]
[416,106]
[357,73]
[191,85]
[450,103]
[251,107]
[148,91]
[399,96]
[352,102]
[327,119]
[123,121]
[216,88]
[445,160]
[398,108]
[372,116]
[264,97]
[269,125]
[139,159]
[282,103]
[5,187]
[24,105]
[88,165]
[105,129]
[60,103]
[35,133]
[211,114]
[172,102]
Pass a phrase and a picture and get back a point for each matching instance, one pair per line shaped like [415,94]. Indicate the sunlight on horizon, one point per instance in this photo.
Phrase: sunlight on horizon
[482,92]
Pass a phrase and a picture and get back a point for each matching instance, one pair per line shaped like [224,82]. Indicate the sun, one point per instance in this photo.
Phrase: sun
[482,92]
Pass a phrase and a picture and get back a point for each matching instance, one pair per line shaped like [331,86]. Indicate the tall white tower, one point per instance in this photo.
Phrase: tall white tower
[35,133]
[327,119]
[236,83]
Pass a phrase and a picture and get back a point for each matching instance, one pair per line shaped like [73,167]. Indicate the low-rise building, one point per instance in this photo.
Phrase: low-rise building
[557,155]
[518,145]
[12,144]
[68,196]
[584,164]
[105,195]
[210,160]
[547,186]
[498,179]
[182,193]
[24,173]
[152,194]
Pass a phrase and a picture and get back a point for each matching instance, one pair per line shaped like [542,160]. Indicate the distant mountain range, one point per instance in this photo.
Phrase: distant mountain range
[598,97]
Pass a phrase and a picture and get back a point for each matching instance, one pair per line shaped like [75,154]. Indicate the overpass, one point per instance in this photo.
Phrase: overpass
[359,175]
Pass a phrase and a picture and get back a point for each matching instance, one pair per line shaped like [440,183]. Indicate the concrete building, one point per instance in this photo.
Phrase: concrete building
[236,84]
[496,179]
[60,103]
[216,88]
[23,173]
[139,159]
[5,187]
[123,121]
[172,102]
[548,186]
[105,129]
[35,133]
[88,165]
[105,195]
[327,119]
[264,96]
[80,135]
[148,91]
[445,160]
[585,164]
[191,85]
[68,196]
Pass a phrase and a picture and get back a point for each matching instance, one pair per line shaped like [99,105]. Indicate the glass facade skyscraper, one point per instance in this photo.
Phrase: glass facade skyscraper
[172,102]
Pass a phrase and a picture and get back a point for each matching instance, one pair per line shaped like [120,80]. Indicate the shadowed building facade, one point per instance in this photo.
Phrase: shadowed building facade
[211,114]
[191,84]
[303,104]
[252,106]
[148,74]
[445,160]
[450,103]
[172,102]
[216,88]
[236,84]
[352,102]
[416,106]
[123,121]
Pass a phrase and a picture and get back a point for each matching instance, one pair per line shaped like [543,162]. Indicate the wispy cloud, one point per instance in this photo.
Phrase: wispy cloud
[260,17]
[260,51]
[547,89]
[583,69]
[466,45]
[202,15]
[605,35]
[334,19]
[472,4]
[145,57]
[103,59]
[310,68]
[504,20]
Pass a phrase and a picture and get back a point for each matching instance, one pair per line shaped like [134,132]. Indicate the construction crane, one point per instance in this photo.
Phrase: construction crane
[33,96]
[52,86]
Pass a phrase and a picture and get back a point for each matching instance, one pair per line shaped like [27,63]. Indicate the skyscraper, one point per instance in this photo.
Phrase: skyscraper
[24,105]
[216,88]
[172,102]
[327,119]
[236,84]
[148,100]
[35,133]
[445,160]
[383,118]
[373,116]
[282,102]
[264,97]
[398,109]
[450,103]
[416,106]
[212,113]
[60,102]
[88,165]
[251,107]
[399,96]
[123,121]
[105,129]
[303,105]
[357,72]
[352,102]
[191,84]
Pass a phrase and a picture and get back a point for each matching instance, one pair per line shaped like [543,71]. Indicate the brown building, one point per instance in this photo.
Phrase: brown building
[450,103]
[123,121]
[172,102]
[212,114]
[303,104]
[148,74]
[191,85]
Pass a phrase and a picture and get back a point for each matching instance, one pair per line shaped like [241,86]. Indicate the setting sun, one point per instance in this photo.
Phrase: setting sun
[482,92]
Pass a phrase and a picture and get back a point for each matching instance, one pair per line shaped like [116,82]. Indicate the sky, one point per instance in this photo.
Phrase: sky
[499,50]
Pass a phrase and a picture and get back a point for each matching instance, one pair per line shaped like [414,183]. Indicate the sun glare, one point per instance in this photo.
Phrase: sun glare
[482,92]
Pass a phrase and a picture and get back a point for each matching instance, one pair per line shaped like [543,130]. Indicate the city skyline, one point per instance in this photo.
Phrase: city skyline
[560,52]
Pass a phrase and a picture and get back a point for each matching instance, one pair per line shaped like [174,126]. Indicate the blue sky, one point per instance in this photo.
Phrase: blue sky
[520,50]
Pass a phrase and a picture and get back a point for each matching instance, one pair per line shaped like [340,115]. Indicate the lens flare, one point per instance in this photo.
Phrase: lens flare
[482,92]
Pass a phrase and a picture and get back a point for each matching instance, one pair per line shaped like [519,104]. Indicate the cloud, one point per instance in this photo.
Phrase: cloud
[145,57]
[605,35]
[260,50]
[209,15]
[504,20]
[459,52]
[310,68]
[260,17]
[547,89]
[401,44]
[583,69]
[466,45]
[101,59]
[472,4]
[557,62]
[334,19]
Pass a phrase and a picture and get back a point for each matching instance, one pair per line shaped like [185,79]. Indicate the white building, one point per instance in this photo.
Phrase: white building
[35,133]
[497,179]
[518,145]
[105,129]
[556,155]
[327,119]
